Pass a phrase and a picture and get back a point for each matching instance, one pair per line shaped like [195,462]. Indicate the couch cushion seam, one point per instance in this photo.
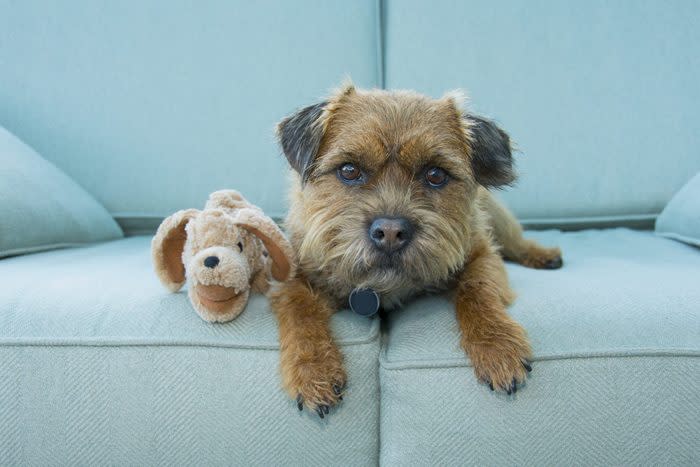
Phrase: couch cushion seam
[107,341]
[76,343]
[458,362]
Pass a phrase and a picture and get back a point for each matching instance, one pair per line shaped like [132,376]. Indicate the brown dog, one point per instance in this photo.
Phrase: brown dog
[389,193]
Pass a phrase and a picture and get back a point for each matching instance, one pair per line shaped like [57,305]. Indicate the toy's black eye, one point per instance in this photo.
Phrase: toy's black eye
[349,173]
[436,177]
[240,247]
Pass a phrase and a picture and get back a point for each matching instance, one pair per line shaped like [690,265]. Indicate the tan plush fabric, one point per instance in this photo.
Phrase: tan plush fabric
[224,251]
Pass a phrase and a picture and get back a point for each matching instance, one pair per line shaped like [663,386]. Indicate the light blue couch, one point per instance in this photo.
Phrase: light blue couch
[150,106]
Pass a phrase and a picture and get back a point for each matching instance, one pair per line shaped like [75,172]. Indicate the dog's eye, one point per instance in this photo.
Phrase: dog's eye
[349,173]
[436,177]
[240,247]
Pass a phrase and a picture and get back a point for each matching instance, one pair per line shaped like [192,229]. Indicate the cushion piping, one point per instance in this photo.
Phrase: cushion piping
[116,341]
[464,362]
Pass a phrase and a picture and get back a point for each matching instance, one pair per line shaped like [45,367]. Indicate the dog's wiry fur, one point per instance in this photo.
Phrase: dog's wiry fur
[460,229]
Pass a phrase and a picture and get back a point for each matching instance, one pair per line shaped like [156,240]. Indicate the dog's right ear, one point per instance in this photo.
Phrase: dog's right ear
[167,246]
[300,136]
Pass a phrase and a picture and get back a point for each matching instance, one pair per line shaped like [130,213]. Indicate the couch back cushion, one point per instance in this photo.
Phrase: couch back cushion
[601,97]
[153,105]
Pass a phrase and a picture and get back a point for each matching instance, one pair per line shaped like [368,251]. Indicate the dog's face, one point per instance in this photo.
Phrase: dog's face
[386,187]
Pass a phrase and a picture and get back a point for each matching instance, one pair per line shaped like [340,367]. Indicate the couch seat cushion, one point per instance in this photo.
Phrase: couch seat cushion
[616,339]
[101,364]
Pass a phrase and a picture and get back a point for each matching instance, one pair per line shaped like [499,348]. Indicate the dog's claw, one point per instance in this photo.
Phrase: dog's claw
[322,406]
[554,263]
[527,365]
[509,389]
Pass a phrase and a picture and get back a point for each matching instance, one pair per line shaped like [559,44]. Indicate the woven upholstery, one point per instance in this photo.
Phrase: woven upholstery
[616,338]
[100,364]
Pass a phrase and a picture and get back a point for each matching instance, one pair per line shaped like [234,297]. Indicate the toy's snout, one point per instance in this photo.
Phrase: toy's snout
[220,283]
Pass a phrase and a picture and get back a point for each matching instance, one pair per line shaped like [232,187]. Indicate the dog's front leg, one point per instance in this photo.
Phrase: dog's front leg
[311,363]
[496,344]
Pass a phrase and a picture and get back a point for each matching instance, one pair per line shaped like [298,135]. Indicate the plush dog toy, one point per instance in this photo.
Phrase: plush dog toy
[224,251]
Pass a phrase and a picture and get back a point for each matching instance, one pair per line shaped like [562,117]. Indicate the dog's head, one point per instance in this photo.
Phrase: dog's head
[386,184]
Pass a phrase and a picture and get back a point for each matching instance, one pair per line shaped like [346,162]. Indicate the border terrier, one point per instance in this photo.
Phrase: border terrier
[390,193]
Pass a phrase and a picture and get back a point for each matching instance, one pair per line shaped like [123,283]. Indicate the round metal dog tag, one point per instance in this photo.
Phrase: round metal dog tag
[364,302]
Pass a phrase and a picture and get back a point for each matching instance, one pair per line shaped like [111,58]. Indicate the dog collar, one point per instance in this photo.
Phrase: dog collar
[364,302]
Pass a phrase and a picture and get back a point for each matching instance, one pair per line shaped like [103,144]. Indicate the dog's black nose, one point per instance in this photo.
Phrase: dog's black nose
[211,261]
[390,234]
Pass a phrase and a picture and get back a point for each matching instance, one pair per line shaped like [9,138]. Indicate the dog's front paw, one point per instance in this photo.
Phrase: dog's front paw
[501,365]
[539,257]
[317,382]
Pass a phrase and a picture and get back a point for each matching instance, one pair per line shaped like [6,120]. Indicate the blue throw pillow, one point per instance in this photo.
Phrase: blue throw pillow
[41,208]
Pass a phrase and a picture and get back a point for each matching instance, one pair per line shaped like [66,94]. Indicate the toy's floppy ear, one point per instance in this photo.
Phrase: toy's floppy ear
[492,161]
[167,247]
[275,242]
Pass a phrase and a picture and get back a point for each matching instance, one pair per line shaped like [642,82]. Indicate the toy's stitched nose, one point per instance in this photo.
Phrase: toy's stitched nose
[211,261]
[390,234]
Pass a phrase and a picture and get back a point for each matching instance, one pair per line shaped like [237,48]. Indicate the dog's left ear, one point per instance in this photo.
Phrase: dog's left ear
[491,158]
[300,136]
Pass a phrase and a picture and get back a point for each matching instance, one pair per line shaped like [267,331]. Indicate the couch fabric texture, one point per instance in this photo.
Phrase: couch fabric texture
[41,208]
[102,365]
[616,342]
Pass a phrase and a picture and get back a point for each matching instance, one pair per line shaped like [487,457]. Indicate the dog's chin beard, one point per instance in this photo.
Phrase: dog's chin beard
[390,273]
[360,265]
[387,262]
